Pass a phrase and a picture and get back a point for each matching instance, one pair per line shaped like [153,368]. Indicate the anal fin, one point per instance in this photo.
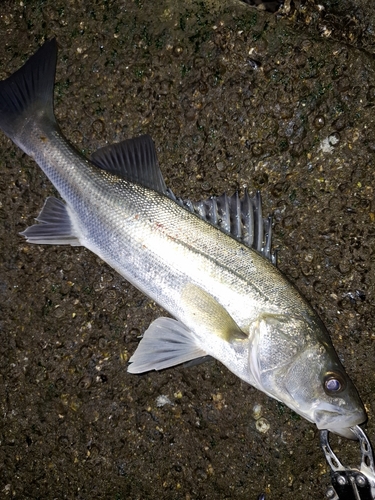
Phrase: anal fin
[55,225]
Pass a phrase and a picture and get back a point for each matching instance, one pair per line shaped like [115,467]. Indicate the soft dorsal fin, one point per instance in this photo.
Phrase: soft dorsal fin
[241,218]
[134,160]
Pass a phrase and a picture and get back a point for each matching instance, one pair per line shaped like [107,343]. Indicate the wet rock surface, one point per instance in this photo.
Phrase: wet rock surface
[233,97]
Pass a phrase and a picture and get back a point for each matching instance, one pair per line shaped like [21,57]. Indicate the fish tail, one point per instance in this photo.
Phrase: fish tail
[27,95]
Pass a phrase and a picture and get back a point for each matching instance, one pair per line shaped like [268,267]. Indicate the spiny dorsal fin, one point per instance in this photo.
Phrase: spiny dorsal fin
[134,160]
[241,218]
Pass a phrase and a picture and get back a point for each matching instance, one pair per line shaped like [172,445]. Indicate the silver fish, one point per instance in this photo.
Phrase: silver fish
[228,300]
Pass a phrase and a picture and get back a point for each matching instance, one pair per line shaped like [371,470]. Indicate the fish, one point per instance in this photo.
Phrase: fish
[207,263]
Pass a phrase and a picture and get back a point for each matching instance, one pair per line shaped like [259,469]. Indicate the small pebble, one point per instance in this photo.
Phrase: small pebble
[262,425]
[163,400]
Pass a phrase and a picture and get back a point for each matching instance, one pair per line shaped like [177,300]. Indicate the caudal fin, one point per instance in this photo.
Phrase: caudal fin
[29,92]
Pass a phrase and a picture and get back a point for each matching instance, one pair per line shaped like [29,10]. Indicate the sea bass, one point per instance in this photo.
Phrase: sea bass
[228,301]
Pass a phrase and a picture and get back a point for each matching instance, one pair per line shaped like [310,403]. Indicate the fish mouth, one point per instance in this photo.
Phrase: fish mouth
[339,422]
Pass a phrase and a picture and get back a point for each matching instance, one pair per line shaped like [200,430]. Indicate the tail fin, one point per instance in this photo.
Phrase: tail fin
[29,91]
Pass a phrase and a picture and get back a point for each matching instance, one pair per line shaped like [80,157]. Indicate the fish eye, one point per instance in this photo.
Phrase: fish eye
[334,383]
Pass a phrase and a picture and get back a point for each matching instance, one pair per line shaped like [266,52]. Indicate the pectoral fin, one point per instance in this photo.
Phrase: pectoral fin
[208,315]
[165,343]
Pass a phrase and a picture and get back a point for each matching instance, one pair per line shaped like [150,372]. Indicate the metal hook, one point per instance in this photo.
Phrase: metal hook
[351,483]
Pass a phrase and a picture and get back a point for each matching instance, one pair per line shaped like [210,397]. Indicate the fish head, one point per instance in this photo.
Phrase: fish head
[294,361]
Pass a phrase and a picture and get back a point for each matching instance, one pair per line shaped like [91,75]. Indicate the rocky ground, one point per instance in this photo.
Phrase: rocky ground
[233,97]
